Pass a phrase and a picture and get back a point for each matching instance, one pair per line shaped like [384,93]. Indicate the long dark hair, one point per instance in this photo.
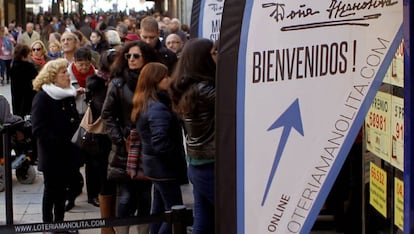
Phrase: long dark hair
[103,43]
[121,64]
[195,65]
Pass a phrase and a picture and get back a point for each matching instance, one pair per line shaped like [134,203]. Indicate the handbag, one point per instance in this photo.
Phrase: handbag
[96,127]
[88,133]
[116,170]
[117,174]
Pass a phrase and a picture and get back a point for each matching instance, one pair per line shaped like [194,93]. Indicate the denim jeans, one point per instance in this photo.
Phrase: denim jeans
[202,178]
[166,195]
[134,198]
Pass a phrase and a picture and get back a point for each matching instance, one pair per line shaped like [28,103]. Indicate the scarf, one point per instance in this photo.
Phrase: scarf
[59,93]
[39,60]
[55,55]
[81,78]
[131,78]
[104,75]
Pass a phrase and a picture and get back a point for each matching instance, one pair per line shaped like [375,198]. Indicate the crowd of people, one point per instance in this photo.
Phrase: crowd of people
[139,74]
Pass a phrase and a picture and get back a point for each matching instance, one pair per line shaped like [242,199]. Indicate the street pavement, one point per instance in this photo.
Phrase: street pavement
[27,199]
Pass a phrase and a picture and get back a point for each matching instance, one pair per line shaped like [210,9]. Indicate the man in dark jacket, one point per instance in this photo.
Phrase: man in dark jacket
[150,34]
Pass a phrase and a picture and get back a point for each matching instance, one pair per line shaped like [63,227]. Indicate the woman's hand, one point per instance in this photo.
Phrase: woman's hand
[132,173]
[80,91]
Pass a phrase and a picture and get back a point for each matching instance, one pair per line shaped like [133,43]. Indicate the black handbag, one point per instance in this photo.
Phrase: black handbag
[87,136]
[117,174]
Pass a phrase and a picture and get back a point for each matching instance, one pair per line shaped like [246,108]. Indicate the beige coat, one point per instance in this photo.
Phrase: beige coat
[29,40]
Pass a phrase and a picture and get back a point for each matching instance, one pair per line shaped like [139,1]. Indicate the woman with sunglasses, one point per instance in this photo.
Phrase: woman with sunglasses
[39,54]
[133,196]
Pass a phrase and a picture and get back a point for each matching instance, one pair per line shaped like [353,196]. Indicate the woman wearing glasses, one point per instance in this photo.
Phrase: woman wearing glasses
[39,54]
[133,196]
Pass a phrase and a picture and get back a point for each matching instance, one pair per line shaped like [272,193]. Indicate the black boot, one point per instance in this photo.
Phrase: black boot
[69,205]
[94,201]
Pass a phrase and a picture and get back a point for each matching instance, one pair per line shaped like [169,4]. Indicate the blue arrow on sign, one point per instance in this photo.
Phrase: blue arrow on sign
[289,119]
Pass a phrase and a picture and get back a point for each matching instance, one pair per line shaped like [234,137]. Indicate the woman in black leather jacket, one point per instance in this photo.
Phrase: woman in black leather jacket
[132,195]
[193,94]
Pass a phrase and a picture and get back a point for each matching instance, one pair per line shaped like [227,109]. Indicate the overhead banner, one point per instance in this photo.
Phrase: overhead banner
[206,19]
[307,74]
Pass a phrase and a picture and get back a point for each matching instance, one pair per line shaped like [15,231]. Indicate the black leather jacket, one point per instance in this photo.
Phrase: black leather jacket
[116,112]
[200,125]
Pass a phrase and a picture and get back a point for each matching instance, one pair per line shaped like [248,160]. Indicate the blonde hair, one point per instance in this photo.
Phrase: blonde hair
[56,43]
[44,50]
[49,72]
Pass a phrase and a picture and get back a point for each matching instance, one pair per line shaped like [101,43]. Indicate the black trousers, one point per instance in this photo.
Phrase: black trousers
[54,195]
[74,185]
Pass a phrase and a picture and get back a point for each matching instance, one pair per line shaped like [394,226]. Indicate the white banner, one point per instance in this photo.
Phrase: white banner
[210,19]
[307,75]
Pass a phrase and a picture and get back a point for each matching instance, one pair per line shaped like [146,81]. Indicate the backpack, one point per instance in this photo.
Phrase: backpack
[6,46]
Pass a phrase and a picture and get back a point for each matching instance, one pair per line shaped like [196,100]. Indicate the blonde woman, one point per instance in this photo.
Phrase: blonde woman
[39,54]
[54,121]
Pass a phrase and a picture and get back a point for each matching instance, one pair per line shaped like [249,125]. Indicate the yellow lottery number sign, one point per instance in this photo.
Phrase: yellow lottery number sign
[399,203]
[378,189]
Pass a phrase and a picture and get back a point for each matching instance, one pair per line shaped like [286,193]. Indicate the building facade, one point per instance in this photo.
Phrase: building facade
[19,10]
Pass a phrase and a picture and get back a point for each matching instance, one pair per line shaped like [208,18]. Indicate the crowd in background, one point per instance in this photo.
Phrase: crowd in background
[138,72]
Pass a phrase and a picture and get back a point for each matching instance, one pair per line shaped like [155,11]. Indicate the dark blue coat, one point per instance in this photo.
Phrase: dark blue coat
[162,142]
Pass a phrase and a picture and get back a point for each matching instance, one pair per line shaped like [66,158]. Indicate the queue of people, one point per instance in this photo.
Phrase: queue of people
[156,83]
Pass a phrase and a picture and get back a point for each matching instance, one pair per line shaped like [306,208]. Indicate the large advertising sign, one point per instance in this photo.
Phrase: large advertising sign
[206,18]
[307,73]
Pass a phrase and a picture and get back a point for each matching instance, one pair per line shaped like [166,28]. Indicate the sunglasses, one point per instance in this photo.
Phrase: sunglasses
[36,49]
[128,56]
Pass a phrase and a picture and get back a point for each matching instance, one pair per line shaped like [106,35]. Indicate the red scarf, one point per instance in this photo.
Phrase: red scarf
[39,60]
[81,78]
